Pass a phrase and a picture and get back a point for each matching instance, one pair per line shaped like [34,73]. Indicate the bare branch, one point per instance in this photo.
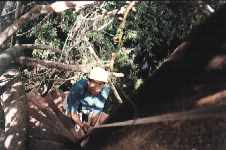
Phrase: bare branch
[51,64]
[122,25]
[105,25]
[61,66]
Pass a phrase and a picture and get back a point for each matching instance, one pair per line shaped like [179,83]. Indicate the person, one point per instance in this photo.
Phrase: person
[87,101]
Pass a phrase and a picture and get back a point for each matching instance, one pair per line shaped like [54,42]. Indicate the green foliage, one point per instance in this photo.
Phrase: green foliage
[151,33]
[102,43]
[156,29]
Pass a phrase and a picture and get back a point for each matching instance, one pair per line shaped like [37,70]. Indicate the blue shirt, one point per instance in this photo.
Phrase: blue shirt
[80,100]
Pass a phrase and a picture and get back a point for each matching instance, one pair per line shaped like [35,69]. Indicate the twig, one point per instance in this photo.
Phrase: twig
[2,16]
[105,25]
[106,14]
[61,66]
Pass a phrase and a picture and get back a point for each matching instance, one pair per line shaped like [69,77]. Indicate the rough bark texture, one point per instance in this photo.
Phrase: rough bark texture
[13,101]
[49,128]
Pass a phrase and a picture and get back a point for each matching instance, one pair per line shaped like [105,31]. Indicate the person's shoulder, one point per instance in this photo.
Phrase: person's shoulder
[106,87]
[80,83]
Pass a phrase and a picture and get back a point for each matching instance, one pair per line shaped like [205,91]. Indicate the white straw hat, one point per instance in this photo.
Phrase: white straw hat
[99,74]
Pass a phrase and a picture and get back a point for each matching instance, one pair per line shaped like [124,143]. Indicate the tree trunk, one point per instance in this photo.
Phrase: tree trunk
[15,111]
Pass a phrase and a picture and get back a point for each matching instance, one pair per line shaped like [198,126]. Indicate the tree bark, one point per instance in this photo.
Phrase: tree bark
[14,105]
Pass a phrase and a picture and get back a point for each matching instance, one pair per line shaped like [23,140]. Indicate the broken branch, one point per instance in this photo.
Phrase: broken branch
[61,66]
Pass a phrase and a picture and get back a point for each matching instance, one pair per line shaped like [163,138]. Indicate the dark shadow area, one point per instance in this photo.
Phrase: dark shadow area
[48,124]
[179,83]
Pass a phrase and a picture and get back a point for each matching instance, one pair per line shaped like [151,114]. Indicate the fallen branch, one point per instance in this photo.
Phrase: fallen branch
[61,66]
[51,64]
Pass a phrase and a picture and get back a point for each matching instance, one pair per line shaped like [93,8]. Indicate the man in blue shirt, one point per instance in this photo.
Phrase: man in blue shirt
[87,99]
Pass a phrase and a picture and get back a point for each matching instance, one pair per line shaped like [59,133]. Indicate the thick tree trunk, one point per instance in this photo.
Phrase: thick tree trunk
[13,101]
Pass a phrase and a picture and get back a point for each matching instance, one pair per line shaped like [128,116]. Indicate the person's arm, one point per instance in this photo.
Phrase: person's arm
[102,117]
[76,119]
[74,101]
[99,119]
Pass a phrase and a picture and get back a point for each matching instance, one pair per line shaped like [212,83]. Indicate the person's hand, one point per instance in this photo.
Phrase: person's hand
[85,127]
[94,120]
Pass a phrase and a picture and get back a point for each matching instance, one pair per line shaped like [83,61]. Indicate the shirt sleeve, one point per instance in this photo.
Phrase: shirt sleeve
[105,93]
[73,100]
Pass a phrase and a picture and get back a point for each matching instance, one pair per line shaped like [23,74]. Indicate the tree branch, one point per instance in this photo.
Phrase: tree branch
[51,64]
[61,66]
[14,105]
[119,36]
